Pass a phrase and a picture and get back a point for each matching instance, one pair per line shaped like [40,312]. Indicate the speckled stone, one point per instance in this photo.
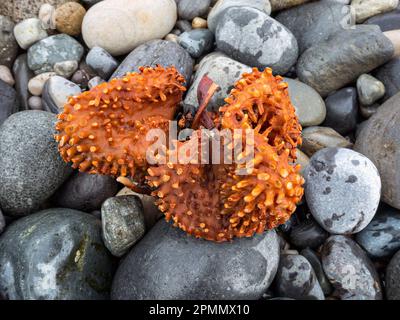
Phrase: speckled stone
[342,110]
[332,64]
[379,140]
[44,54]
[381,238]
[8,101]
[8,44]
[22,75]
[241,269]
[350,271]
[85,192]
[296,279]
[389,74]
[342,189]
[393,278]
[95,82]
[314,22]
[369,89]
[310,107]
[31,166]
[35,103]
[189,9]
[55,254]
[165,53]
[264,42]
[197,42]
[317,138]
[101,62]
[122,223]
[223,71]
[221,6]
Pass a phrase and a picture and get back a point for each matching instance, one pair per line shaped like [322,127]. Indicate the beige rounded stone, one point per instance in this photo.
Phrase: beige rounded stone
[36,84]
[119,26]
[198,23]
[69,18]
[6,75]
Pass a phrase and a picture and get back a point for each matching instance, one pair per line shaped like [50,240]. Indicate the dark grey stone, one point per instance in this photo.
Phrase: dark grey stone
[350,271]
[342,110]
[22,75]
[296,279]
[197,42]
[8,101]
[2,222]
[165,53]
[189,9]
[386,21]
[332,64]
[254,38]
[379,140]
[8,44]
[55,254]
[381,238]
[314,22]
[393,278]
[241,269]
[45,53]
[307,234]
[183,25]
[101,62]
[123,223]
[389,74]
[30,165]
[342,190]
[316,264]
[85,192]
[369,89]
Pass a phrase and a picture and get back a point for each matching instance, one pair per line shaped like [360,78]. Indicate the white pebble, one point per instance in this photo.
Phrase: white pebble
[35,103]
[47,16]
[6,75]
[28,32]
[66,68]
[36,84]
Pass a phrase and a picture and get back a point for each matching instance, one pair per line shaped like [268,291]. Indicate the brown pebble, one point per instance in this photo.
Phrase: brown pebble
[69,17]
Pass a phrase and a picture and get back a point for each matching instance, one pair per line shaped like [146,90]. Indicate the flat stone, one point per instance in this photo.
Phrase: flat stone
[342,190]
[350,271]
[65,69]
[55,254]
[85,192]
[310,107]
[32,168]
[123,223]
[342,110]
[165,53]
[241,269]
[44,54]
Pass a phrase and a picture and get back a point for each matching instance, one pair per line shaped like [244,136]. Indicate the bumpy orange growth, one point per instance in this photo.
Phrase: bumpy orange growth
[212,201]
[103,130]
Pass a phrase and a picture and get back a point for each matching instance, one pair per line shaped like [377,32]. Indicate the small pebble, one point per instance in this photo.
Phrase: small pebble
[28,32]
[35,103]
[342,190]
[81,78]
[66,68]
[198,23]
[95,82]
[36,84]
[123,223]
[69,17]
[6,75]
[369,89]
[47,16]
[197,42]
[317,138]
[101,62]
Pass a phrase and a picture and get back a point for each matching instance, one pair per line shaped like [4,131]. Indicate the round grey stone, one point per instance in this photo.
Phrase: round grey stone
[296,279]
[197,42]
[189,9]
[8,44]
[220,69]
[101,62]
[332,64]
[381,238]
[350,270]
[253,38]
[342,189]
[123,223]
[369,89]
[222,5]
[242,269]
[393,278]
[45,53]
[85,192]
[32,168]
[310,107]
[379,140]
[165,53]
[55,254]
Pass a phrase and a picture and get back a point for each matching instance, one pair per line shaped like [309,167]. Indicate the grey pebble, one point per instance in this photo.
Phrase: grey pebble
[101,62]
[189,9]
[8,101]
[369,89]
[197,42]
